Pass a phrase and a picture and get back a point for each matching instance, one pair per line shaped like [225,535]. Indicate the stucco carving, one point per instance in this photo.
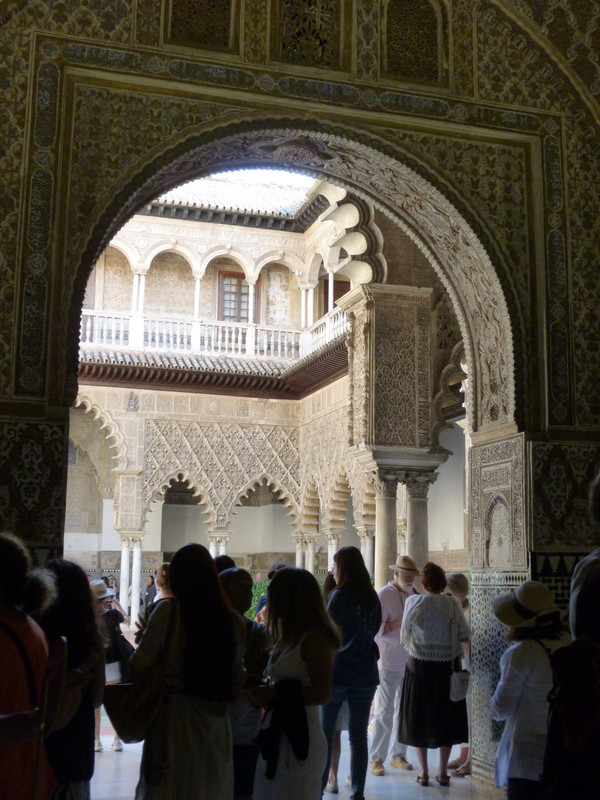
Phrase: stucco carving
[498,536]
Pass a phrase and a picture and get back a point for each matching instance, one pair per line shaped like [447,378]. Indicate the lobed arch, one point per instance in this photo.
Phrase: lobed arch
[336,502]
[181,476]
[310,508]
[372,168]
[283,495]
[114,437]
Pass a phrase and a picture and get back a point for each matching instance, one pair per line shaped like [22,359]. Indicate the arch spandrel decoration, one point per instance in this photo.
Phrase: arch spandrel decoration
[224,458]
[437,228]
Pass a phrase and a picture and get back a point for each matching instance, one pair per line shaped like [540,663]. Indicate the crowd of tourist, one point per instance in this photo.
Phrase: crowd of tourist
[252,710]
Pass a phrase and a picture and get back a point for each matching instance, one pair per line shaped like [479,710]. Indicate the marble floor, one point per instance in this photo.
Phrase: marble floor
[116,776]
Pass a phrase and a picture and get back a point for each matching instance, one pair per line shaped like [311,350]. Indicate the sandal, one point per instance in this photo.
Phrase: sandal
[462,772]
[455,764]
[423,780]
[443,780]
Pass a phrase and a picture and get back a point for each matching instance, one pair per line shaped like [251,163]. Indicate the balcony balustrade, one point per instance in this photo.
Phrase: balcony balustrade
[208,337]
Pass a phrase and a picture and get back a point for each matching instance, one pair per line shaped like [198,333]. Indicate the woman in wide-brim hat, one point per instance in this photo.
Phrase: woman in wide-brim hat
[535,631]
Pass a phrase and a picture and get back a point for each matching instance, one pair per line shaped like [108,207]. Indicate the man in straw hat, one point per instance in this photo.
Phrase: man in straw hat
[520,699]
[392,664]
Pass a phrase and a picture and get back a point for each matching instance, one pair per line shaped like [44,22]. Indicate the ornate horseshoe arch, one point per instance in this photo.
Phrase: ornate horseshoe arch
[422,212]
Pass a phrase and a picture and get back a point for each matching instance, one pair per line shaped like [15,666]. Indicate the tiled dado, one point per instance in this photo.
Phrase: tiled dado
[487,646]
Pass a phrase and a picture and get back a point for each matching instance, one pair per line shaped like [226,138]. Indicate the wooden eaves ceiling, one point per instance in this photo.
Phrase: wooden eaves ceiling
[219,374]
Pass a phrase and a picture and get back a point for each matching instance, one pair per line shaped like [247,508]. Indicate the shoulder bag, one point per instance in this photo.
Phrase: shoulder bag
[459,678]
[133,706]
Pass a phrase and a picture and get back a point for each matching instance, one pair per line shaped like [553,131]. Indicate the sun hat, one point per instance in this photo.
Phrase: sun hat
[275,568]
[406,563]
[99,590]
[531,605]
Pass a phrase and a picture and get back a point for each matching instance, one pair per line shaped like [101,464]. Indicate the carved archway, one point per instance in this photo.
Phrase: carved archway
[180,476]
[280,492]
[112,433]
[369,171]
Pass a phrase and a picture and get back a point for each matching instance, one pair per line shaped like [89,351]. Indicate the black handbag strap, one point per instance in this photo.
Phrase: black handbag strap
[29,672]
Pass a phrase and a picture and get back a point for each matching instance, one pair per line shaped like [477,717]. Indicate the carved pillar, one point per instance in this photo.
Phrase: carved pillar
[391,428]
[385,527]
[366,534]
[417,535]
[136,578]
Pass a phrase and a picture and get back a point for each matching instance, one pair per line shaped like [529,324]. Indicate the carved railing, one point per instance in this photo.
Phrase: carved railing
[210,337]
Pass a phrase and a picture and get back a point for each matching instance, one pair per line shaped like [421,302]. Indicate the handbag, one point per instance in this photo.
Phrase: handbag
[459,677]
[133,706]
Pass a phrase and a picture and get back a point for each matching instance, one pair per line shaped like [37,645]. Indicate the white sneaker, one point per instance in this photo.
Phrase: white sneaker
[98,746]
[117,745]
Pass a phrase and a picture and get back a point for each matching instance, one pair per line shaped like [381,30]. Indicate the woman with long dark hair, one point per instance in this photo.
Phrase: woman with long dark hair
[354,606]
[70,750]
[304,639]
[187,753]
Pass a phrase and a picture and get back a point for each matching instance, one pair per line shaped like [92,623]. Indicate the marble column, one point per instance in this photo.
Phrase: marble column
[366,534]
[309,553]
[124,577]
[417,528]
[385,527]
[299,551]
[333,545]
[136,579]
[330,292]
[302,307]
[311,306]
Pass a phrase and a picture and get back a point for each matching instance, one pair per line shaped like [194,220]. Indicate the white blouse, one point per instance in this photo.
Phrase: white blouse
[428,631]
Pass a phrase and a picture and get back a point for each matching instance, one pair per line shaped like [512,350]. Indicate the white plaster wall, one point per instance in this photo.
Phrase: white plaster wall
[75,543]
[181,525]
[153,528]
[110,538]
[446,495]
[261,529]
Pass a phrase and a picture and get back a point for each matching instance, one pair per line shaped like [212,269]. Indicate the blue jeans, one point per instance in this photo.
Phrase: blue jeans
[359,707]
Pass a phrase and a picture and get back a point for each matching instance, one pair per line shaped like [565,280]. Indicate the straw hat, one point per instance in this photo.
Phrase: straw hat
[406,563]
[531,605]
[99,590]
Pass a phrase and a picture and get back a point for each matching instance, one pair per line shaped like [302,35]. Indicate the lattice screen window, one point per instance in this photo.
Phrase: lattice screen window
[415,34]
[311,32]
[207,24]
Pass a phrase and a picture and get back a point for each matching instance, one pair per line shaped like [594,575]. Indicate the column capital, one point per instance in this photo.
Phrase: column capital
[386,483]
[418,483]
[131,538]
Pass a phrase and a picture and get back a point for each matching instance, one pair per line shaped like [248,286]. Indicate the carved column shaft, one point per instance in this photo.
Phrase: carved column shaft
[124,579]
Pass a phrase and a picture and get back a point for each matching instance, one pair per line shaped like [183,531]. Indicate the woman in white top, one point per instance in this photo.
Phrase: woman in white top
[536,631]
[433,630]
[294,749]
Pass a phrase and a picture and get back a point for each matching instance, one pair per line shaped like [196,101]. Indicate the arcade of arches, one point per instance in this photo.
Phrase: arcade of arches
[459,142]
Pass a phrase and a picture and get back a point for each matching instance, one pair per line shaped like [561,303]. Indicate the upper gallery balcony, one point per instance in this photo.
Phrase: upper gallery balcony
[225,278]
